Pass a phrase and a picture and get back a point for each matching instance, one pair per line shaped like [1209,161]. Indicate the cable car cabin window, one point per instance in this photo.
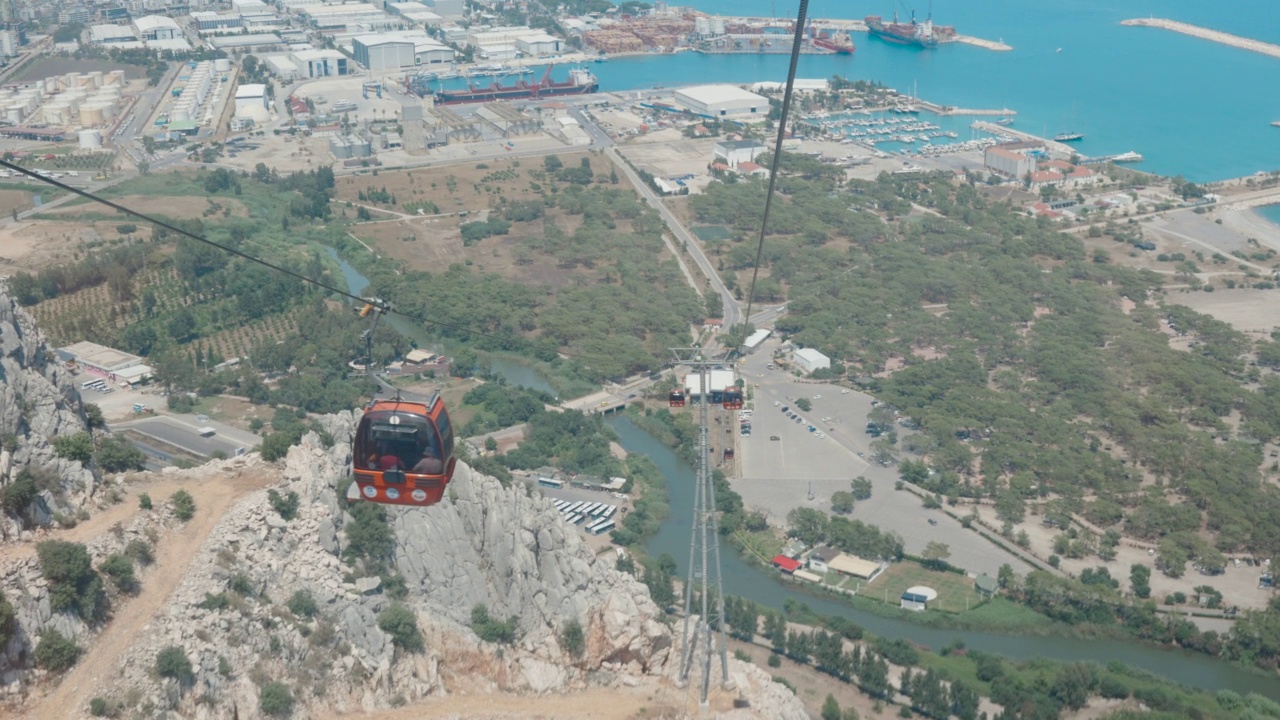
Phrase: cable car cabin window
[445,426]
[399,443]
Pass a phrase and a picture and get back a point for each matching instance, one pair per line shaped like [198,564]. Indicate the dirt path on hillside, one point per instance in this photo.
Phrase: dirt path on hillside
[174,553]
[646,701]
[159,487]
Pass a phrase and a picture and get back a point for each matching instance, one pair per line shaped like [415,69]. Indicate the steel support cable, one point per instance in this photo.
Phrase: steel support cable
[796,41]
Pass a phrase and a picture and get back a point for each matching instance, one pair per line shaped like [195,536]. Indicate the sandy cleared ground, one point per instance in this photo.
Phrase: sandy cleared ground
[168,206]
[30,245]
[1247,310]
[1249,224]
[668,153]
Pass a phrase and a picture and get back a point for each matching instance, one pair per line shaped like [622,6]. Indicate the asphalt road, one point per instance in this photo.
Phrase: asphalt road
[185,436]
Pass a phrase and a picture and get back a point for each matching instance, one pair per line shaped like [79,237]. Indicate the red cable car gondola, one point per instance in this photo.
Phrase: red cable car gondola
[676,398]
[732,399]
[403,452]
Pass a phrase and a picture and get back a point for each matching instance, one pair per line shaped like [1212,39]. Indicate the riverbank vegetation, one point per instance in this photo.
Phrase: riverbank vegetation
[953,682]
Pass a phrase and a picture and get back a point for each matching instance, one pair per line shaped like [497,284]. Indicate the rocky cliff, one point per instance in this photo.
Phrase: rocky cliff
[505,548]
[38,401]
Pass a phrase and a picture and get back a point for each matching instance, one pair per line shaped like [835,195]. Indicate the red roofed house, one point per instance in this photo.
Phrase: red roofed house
[1040,178]
[786,564]
[750,168]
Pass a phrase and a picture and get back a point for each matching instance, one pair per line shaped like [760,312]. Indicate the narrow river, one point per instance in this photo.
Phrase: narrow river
[767,589]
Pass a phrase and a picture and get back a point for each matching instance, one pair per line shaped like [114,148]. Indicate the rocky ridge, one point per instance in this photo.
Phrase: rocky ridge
[38,401]
[504,547]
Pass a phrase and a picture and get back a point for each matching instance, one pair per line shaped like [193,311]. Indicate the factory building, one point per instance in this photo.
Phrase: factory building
[209,21]
[539,44]
[727,102]
[320,63]
[1010,159]
[108,34]
[386,51]
[446,8]
[243,42]
[157,27]
[251,102]
[382,52]
[416,13]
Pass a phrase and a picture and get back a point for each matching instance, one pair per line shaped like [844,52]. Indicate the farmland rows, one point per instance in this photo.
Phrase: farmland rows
[99,315]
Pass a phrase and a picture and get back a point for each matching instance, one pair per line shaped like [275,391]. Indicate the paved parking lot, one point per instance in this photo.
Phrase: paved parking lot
[777,475]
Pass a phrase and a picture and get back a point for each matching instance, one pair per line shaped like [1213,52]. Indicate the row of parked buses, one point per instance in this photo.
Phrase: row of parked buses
[599,514]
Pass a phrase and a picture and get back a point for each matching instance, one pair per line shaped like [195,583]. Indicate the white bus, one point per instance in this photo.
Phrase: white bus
[609,513]
[601,528]
[575,507]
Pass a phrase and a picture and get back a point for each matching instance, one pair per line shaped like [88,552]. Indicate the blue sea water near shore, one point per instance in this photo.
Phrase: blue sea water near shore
[1270,212]
[1192,107]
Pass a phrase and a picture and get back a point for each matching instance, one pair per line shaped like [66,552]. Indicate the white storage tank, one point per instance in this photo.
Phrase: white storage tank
[115,78]
[702,26]
[717,26]
[91,115]
[14,114]
[96,77]
[222,65]
[90,139]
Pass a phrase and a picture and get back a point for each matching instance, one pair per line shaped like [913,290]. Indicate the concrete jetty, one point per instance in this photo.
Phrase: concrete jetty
[1217,36]
[985,44]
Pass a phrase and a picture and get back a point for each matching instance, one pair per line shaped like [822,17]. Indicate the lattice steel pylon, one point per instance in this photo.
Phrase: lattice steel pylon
[704,550]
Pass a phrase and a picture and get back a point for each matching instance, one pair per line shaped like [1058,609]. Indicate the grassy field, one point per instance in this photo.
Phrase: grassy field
[955,592]
[712,232]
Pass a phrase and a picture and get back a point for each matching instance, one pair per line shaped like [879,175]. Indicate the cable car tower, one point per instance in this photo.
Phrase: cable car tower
[704,551]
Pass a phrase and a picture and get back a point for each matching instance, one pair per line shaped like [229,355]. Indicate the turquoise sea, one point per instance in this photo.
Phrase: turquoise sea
[1190,106]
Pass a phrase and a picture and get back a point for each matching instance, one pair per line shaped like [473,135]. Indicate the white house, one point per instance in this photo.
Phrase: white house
[810,360]
[735,152]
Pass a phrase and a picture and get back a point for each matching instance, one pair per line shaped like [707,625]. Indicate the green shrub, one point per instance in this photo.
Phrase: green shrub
[144,501]
[8,620]
[56,652]
[489,629]
[240,583]
[78,447]
[73,584]
[98,707]
[18,495]
[140,551]
[119,568]
[117,454]
[400,622]
[302,604]
[286,505]
[274,699]
[369,536]
[214,602]
[1112,689]
[572,637]
[172,662]
[184,506]
[774,661]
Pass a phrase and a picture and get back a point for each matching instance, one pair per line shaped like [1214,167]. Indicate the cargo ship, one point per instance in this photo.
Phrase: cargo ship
[837,42]
[580,82]
[920,34]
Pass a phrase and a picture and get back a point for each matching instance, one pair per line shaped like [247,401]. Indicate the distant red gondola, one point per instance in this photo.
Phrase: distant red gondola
[403,452]
[676,398]
[732,399]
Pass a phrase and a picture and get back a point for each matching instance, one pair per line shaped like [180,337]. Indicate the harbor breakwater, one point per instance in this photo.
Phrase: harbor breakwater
[1203,33]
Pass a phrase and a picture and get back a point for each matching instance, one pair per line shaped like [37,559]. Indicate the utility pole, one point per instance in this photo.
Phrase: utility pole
[704,551]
